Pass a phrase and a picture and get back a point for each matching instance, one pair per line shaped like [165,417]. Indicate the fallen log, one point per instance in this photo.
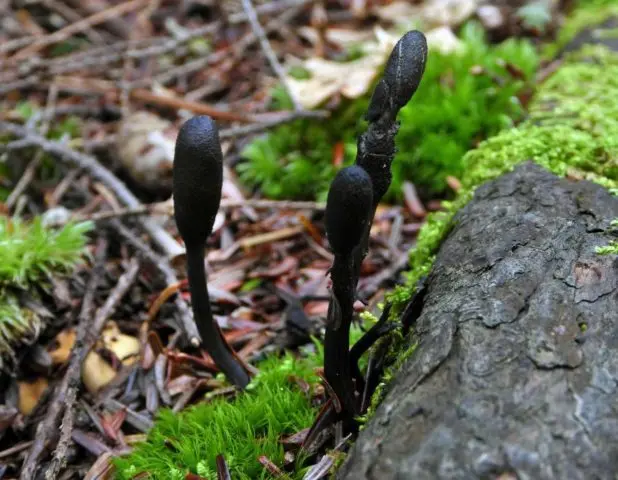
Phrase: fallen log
[517,367]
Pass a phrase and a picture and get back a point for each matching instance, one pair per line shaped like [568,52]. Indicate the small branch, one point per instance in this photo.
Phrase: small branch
[70,380]
[122,287]
[266,124]
[77,27]
[186,319]
[92,333]
[268,51]
[167,209]
[195,107]
[66,429]
[30,171]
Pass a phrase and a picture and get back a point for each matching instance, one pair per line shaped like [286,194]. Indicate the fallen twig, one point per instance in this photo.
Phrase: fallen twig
[186,319]
[268,51]
[266,124]
[78,27]
[70,380]
[28,175]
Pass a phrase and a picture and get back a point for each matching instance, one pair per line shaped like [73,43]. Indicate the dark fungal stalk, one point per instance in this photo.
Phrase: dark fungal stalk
[347,216]
[198,178]
[376,147]
[352,201]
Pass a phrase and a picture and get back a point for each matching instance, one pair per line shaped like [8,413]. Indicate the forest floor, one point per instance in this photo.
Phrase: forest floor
[93,94]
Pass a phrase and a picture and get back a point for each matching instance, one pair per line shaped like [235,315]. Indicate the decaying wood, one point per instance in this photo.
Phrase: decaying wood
[516,371]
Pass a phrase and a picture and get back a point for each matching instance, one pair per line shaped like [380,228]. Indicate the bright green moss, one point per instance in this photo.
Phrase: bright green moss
[572,128]
[588,13]
[241,429]
[30,254]
[463,97]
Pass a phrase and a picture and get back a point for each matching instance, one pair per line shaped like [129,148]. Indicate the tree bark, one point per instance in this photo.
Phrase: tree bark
[516,371]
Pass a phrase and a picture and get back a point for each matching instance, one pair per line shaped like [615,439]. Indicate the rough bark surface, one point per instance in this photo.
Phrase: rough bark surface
[516,372]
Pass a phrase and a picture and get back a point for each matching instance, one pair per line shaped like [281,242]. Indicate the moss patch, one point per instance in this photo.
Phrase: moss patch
[587,14]
[572,129]
[29,254]
[243,429]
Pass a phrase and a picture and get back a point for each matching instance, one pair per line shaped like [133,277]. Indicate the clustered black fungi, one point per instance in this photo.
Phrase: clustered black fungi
[198,178]
[352,201]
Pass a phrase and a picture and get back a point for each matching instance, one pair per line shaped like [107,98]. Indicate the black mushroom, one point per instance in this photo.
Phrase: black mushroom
[348,210]
[198,178]
[352,201]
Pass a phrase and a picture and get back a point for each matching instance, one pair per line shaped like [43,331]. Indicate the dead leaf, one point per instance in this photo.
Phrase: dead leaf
[443,40]
[350,79]
[397,12]
[448,12]
[145,146]
[96,370]
[125,347]
[60,349]
[30,393]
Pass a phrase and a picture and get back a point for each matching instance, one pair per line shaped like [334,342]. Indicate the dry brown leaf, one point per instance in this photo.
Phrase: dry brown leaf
[60,350]
[350,79]
[125,347]
[448,12]
[444,40]
[97,371]
[30,393]
[397,12]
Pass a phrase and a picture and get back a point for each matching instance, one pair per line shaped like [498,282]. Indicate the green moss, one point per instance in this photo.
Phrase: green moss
[452,109]
[587,13]
[612,248]
[242,429]
[30,254]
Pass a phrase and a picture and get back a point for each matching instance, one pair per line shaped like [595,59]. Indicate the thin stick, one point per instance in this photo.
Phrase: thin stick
[66,430]
[71,377]
[266,124]
[167,243]
[124,283]
[167,209]
[77,27]
[268,51]
[122,287]
[186,319]
[16,449]
[194,107]
[30,171]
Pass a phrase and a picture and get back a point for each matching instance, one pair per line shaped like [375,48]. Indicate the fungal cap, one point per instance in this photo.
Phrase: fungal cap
[198,178]
[348,208]
[402,75]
